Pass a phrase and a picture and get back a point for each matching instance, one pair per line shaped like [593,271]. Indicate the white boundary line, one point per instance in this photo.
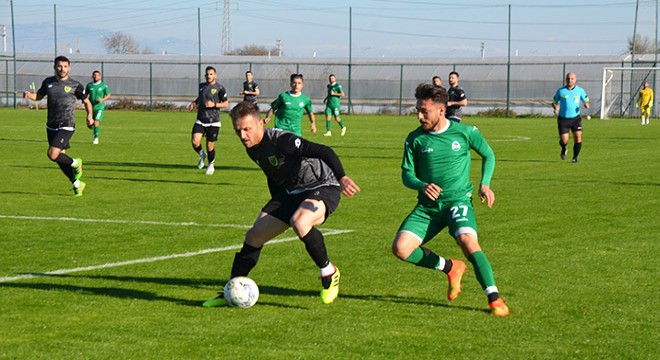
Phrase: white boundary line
[6,279]
[511,138]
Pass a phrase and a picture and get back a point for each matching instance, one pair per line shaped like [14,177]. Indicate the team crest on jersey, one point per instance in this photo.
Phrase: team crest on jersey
[455,146]
[272,160]
[213,91]
[427,150]
[301,104]
[67,89]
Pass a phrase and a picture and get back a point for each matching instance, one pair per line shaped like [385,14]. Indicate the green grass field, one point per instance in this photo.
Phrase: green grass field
[120,273]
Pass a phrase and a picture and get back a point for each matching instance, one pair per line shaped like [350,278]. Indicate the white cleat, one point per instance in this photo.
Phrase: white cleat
[328,134]
[210,169]
[343,131]
[200,163]
[96,141]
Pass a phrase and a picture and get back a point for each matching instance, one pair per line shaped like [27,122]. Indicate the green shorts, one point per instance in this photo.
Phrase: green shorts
[329,111]
[425,222]
[97,115]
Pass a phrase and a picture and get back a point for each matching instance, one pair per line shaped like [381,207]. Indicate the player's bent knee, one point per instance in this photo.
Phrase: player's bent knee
[403,248]
[255,238]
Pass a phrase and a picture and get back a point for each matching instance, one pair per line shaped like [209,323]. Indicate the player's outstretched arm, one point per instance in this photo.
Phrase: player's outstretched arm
[348,186]
[487,195]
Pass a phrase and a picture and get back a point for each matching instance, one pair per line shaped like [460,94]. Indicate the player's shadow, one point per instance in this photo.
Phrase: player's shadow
[129,166]
[123,293]
[101,291]
[187,182]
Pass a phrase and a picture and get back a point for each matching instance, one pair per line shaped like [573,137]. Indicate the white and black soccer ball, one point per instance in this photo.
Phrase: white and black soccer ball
[241,292]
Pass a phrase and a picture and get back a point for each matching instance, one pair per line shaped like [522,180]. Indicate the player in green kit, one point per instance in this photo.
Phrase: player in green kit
[290,106]
[98,93]
[436,163]
[332,105]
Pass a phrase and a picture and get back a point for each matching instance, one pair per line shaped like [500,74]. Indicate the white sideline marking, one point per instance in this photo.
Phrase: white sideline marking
[511,138]
[139,222]
[6,279]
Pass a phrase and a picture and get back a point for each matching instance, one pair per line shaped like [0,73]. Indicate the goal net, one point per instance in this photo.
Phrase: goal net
[620,88]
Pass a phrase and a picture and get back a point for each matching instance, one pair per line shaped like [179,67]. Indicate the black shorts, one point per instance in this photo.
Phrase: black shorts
[59,138]
[572,124]
[211,132]
[283,205]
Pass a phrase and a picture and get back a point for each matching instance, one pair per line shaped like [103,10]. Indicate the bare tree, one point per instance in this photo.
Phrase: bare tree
[642,45]
[120,43]
[253,50]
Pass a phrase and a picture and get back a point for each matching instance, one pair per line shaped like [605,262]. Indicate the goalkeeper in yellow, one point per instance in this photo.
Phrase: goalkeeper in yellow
[645,102]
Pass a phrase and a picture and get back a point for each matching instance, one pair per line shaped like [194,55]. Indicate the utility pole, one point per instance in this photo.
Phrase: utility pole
[279,45]
[226,28]
[4,38]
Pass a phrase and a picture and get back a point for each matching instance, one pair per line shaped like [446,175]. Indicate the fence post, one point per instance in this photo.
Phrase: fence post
[151,86]
[400,89]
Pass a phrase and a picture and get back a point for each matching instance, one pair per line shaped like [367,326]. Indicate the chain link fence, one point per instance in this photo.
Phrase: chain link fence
[525,85]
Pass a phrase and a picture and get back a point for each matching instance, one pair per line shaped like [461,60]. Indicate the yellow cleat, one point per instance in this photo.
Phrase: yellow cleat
[330,289]
[217,301]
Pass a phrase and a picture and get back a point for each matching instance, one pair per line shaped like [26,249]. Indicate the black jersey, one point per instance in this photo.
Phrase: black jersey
[62,96]
[295,164]
[217,94]
[455,93]
[250,86]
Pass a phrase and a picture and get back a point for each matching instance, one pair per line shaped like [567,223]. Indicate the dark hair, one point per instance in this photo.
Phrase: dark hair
[296,76]
[248,72]
[211,68]
[436,77]
[96,71]
[454,73]
[429,91]
[62,58]
[243,109]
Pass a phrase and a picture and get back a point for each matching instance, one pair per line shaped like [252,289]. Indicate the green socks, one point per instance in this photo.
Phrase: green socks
[482,269]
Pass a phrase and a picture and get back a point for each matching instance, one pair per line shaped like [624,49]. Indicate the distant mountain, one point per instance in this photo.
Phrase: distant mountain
[39,38]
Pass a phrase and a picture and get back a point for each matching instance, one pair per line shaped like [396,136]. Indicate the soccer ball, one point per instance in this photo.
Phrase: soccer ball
[241,292]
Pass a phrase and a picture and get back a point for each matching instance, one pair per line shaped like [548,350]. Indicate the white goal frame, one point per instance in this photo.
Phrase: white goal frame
[627,83]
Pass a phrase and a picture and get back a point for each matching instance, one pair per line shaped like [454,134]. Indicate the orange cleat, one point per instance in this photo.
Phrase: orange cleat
[454,277]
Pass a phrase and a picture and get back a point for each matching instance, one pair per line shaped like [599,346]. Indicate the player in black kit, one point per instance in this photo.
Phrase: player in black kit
[305,181]
[63,93]
[212,97]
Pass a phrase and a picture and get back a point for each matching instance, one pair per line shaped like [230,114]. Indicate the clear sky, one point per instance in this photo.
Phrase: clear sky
[321,28]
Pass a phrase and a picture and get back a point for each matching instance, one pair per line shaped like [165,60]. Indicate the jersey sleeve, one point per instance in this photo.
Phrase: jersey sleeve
[556,98]
[408,175]
[106,90]
[479,144]
[80,92]
[43,90]
[277,103]
[585,97]
[308,106]
[222,94]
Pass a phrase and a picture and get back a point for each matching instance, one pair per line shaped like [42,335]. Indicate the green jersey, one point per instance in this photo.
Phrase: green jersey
[443,158]
[289,110]
[96,92]
[332,100]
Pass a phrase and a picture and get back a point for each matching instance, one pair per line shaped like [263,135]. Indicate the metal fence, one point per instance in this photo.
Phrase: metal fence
[525,85]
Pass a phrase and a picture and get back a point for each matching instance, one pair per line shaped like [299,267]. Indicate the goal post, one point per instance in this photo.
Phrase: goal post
[620,87]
